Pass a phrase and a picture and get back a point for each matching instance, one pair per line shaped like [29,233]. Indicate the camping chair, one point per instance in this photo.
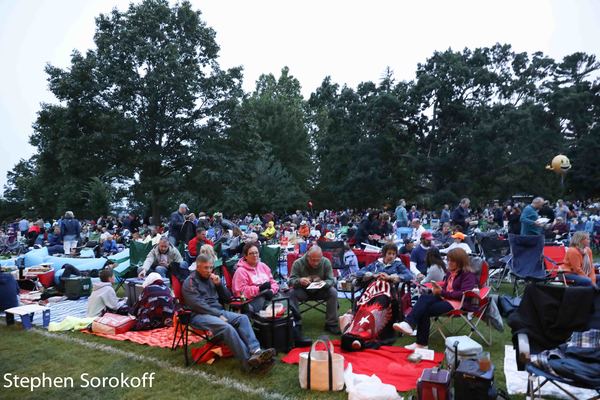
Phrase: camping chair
[526,259]
[553,258]
[469,318]
[493,250]
[270,256]
[138,252]
[542,323]
[123,271]
[183,328]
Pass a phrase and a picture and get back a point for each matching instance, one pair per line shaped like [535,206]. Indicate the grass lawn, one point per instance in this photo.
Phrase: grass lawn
[30,353]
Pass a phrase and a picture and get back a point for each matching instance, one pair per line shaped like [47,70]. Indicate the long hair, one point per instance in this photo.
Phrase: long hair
[434,257]
[577,239]
[461,258]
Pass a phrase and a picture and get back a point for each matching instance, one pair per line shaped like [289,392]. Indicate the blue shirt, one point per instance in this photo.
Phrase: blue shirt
[418,257]
[528,218]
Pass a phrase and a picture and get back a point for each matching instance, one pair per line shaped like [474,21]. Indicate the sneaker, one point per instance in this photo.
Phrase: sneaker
[403,327]
[261,356]
[415,346]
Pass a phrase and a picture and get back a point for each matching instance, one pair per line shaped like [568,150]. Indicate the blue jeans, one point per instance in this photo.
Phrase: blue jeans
[427,306]
[183,266]
[237,332]
[578,280]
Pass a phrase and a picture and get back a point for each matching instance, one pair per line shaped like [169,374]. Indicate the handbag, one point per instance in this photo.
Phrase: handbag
[321,370]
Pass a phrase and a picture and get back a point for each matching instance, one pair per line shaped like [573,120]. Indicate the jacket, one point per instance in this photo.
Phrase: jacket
[301,269]
[574,262]
[396,267]
[70,227]
[9,291]
[464,281]
[269,233]
[103,296]
[202,296]
[153,258]
[528,218]
[193,245]
[247,279]
[459,216]
[175,223]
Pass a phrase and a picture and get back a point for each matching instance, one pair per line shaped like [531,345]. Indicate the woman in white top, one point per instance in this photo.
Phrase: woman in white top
[459,241]
[436,267]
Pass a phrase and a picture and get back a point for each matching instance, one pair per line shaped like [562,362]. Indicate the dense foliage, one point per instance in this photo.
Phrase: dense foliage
[149,115]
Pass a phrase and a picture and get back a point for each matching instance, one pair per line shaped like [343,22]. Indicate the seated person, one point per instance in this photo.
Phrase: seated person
[269,232]
[313,267]
[9,294]
[389,267]
[459,279]
[408,246]
[350,261]
[55,243]
[253,279]
[579,262]
[164,258]
[203,293]
[109,246]
[304,230]
[436,267]
[417,230]
[234,245]
[443,237]
[156,306]
[417,256]
[559,227]
[459,242]
[104,298]
[198,241]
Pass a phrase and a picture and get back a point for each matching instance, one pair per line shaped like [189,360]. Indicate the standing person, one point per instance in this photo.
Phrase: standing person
[445,214]
[413,213]
[513,215]
[176,223]
[561,210]
[23,226]
[460,215]
[401,214]
[579,261]
[529,217]
[70,228]
[204,294]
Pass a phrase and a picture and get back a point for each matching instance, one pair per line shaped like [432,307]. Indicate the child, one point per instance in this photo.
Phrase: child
[436,268]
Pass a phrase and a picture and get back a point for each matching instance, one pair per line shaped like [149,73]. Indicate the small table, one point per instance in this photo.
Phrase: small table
[26,313]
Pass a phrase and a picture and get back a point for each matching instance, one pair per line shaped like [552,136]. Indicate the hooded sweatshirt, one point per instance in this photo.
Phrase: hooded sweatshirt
[247,279]
[269,233]
[103,296]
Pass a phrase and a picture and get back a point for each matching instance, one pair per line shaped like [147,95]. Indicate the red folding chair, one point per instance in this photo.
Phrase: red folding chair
[468,318]
[182,321]
[554,257]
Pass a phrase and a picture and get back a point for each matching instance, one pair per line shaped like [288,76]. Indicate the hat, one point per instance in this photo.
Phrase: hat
[217,214]
[303,223]
[151,278]
[183,205]
[426,235]
[408,240]
[459,235]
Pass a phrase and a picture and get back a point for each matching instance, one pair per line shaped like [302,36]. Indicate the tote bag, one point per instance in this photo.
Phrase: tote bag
[321,370]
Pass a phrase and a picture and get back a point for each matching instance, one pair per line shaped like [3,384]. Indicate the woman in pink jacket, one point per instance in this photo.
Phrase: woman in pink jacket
[253,279]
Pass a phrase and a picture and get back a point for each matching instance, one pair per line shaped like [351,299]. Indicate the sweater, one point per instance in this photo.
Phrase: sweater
[202,296]
[528,218]
[247,279]
[301,269]
[103,296]
[573,263]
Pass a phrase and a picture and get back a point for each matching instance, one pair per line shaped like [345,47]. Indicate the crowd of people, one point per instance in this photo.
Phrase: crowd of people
[422,247]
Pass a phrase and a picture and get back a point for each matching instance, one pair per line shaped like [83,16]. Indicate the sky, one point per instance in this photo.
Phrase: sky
[351,41]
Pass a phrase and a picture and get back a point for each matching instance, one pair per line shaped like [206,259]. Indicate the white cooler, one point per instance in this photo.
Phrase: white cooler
[468,349]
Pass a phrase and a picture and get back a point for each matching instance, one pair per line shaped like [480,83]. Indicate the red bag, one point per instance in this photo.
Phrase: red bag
[434,384]
[113,324]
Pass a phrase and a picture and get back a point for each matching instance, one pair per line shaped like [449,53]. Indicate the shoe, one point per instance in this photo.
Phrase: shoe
[403,327]
[264,367]
[415,346]
[333,330]
[261,356]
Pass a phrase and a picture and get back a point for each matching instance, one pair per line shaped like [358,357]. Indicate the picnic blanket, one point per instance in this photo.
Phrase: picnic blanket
[389,363]
[64,309]
[160,337]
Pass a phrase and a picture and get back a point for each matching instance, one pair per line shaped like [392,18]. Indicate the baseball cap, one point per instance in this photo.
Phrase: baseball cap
[426,235]
[183,205]
[408,240]
[459,235]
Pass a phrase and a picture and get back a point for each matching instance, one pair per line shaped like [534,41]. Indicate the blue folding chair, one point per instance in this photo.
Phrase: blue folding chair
[526,259]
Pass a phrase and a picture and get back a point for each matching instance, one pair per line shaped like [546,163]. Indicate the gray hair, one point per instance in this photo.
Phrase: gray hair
[578,238]
[69,214]
[164,239]
[314,249]
[538,200]
[204,258]
[465,201]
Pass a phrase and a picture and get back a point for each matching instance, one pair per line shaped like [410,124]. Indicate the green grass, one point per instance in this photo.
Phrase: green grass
[29,354]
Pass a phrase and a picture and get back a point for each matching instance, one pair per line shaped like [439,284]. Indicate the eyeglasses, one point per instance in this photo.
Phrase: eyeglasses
[253,253]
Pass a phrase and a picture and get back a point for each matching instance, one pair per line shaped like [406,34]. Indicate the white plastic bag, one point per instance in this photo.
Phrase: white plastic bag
[364,387]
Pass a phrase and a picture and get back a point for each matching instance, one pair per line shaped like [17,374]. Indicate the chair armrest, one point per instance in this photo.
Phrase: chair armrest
[523,351]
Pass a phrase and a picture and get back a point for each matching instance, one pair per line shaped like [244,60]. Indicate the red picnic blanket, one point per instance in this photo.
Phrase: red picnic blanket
[389,363]
[160,337]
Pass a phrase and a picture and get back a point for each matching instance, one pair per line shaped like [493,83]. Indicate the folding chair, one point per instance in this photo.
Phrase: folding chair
[468,318]
[494,250]
[525,260]
[183,328]
[138,252]
[270,256]
[540,324]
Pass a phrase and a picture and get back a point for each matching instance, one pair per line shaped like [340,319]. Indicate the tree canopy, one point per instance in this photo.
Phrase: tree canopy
[150,116]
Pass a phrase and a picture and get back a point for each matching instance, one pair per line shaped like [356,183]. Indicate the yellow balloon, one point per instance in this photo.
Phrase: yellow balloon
[560,164]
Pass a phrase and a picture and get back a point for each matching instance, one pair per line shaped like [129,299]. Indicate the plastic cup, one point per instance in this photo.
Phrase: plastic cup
[485,363]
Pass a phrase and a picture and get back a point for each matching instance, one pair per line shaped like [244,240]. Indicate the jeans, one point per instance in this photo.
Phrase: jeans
[578,280]
[330,294]
[237,332]
[162,271]
[427,306]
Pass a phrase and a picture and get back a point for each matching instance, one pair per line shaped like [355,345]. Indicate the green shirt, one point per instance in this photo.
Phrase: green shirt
[301,269]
